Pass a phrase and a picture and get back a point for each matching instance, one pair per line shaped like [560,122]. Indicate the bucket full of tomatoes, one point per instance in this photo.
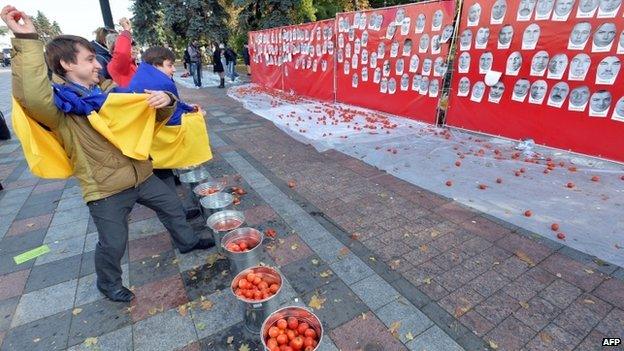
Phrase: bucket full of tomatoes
[257,287]
[294,327]
[222,222]
[242,247]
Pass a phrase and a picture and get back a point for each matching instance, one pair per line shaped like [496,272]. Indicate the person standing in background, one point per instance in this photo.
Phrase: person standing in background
[102,54]
[246,58]
[122,66]
[195,60]
[230,60]
[218,58]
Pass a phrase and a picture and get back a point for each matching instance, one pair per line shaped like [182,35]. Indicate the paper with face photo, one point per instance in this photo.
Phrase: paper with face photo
[364,74]
[324,65]
[439,67]
[362,23]
[436,22]
[603,37]
[531,37]
[434,88]
[414,62]
[405,27]
[496,92]
[620,49]
[505,36]
[618,111]
[447,33]
[377,75]
[521,90]
[525,10]
[482,37]
[390,32]
[424,86]
[386,68]
[579,66]
[341,41]
[499,9]
[346,68]
[557,66]
[558,94]
[423,44]
[543,9]
[485,62]
[355,60]
[421,20]
[399,17]
[394,49]
[400,66]
[579,98]
[426,67]
[383,87]
[381,50]
[562,11]
[464,87]
[538,92]
[465,40]
[356,47]
[474,15]
[478,90]
[355,80]
[586,8]
[373,60]
[608,8]
[600,104]
[314,65]
[405,81]
[608,70]
[514,63]
[348,50]
[435,44]
[463,65]
[364,57]
[340,56]
[392,85]
[407,47]
[539,63]
[416,83]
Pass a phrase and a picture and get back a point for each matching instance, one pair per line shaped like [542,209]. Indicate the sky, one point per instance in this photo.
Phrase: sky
[78,17]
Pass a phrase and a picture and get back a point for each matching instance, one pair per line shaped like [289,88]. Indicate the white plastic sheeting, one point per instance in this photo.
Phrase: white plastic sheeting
[209,79]
[590,213]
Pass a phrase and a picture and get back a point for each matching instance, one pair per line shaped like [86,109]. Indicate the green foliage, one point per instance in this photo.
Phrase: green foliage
[306,12]
[46,30]
[147,22]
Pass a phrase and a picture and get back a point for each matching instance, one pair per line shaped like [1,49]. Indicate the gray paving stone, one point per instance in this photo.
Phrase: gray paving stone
[216,141]
[53,273]
[62,249]
[228,120]
[375,292]
[67,231]
[193,259]
[434,339]
[8,148]
[164,331]
[305,276]
[46,334]
[411,319]
[87,292]
[330,250]
[217,113]
[98,318]
[72,192]
[226,312]
[7,309]
[23,242]
[118,340]
[351,269]
[341,304]
[91,241]
[69,203]
[45,302]
[69,216]
[145,228]
[327,344]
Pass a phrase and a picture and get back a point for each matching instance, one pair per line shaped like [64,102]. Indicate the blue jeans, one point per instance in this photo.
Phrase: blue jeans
[231,70]
[196,72]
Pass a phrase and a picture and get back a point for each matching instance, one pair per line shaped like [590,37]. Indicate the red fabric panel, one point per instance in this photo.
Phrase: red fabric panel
[265,50]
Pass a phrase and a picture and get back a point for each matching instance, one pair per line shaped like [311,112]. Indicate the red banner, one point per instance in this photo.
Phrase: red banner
[265,50]
[309,67]
[560,63]
[394,59]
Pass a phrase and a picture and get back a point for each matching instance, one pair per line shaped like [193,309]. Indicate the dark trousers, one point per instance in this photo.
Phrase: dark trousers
[196,72]
[111,219]
[167,176]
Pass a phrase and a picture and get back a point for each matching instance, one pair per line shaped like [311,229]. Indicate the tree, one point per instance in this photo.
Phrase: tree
[306,12]
[46,30]
[147,22]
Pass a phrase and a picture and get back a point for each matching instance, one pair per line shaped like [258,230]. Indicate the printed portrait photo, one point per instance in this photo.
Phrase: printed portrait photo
[538,92]
[521,90]
[424,86]
[465,40]
[539,63]
[608,8]
[608,70]
[543,9]
[579,66]
[482,37]
[426,67]
[604,37]
[355,80]
[434,88]
[499,9]
[421,20]
[394,49]
[447,33]
[557,66]
[620,49]
[531,36]
[377,75]
[463,63]
[435,44]
[600,103]
[525,10]
[400,66]
[424,43]
[355,61]
[496,92]
[563,8]
[464,87]
[364,57]
[505,35]
[578,99]
[414,62]
[407,47]
[436,23]
[439,67]
[579,36]
[373,60]
[478,91]
[618,111]
[405,27]
[558,94]
[405,80]
[383,87]
[381,50]
[364,74]
[474,15]
[416,83]
[514,63]
[386,68]
[392,85]
[586,8]
[485,62]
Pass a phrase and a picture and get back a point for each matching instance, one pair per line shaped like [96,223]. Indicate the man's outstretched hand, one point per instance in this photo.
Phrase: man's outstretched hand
[158,99]
[11,16]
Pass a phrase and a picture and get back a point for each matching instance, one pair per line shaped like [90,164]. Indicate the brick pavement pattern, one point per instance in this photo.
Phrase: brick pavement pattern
[399,268]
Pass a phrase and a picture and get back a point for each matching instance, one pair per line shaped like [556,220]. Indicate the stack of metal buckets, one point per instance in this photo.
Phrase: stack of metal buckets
[226,225]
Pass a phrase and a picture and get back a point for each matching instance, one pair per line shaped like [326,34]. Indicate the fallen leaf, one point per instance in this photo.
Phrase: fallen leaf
[326,273]
[30,225]
[545,337]
[524,304]
[409,336]
[363,316]
[201,326]
[182,310]
[315,262]
[588,271]
[206,305]
[230,339]
[395,264]
[243,347]
[589,302]
[76,311]
[427,280]
[294,247]
[36,340]
[525,258]
[459,311]
[394,328]
[316,302]
[372,258]
[90,342]
[558,275]
[493,345]
[344,251]
[423,248]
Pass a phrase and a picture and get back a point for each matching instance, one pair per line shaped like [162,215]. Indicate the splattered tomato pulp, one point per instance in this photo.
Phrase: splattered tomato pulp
[227,225]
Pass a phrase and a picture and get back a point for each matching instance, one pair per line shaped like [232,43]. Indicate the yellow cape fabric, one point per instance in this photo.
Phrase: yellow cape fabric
[44,154]
[182,146]
[128,122]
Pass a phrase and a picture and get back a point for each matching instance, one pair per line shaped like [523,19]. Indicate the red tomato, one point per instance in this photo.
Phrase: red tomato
[273,332]
[282,339]
[311,333]
[554,227]
[293,323]
[272,343]
[263,285]
[257,295]
[250,277]
[297,343]
[308,341]
[302,328]
[528,213]
[243,246]
[274,288]
[242,284]
[282,324]
[257,281]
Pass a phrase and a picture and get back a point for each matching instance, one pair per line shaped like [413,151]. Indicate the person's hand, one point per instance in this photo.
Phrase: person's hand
[195,107]
[158,99]
[125,24]
[11,16]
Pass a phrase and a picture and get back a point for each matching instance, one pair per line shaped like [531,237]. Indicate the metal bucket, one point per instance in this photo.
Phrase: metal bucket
[222,222]
[215,203]
[240,261]
[202,189]
[256,312]
[302,314]
[192,178]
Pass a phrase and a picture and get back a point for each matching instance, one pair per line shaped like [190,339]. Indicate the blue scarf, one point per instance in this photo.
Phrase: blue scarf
[76,99]
[149,77]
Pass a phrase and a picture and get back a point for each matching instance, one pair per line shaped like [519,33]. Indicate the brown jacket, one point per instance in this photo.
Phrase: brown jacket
[100,167]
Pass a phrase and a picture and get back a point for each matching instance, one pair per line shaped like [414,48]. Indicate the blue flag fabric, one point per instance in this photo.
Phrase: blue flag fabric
[149,77]
[78,100]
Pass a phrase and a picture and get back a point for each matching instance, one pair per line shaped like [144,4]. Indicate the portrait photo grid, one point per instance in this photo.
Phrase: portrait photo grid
[266,52]
[548,69]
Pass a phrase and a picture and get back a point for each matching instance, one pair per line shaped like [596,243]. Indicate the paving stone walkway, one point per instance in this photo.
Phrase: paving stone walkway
[398,268]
